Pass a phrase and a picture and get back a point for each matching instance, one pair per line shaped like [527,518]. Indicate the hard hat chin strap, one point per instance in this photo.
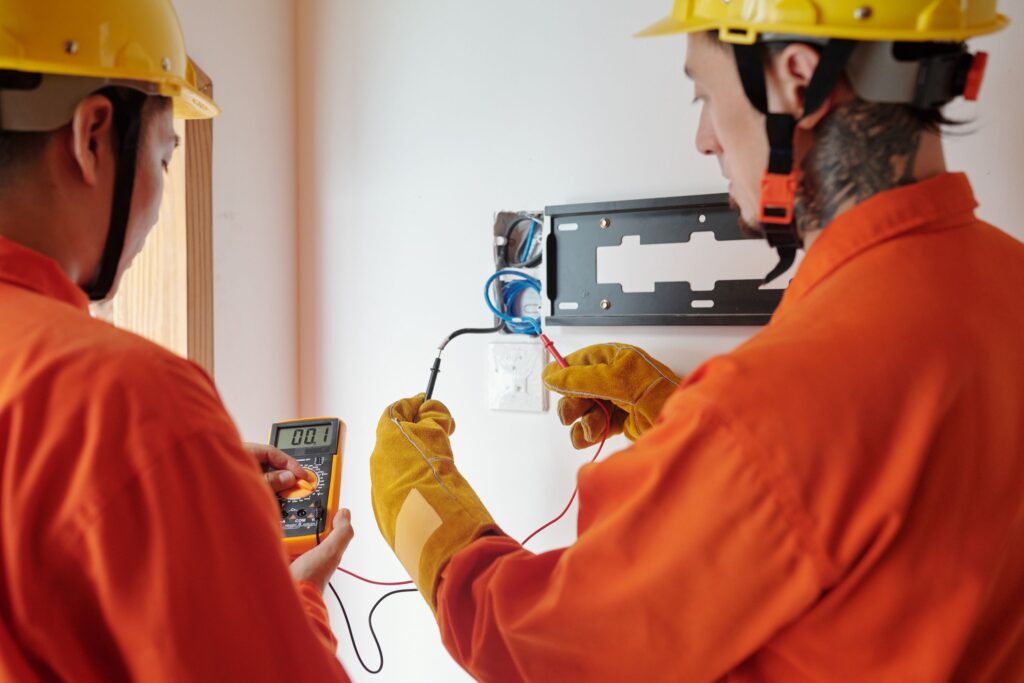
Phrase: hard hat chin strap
[781,179]
[128,106]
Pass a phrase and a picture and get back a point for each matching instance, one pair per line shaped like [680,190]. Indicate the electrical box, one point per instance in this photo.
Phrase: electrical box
[519,247]
[515,367]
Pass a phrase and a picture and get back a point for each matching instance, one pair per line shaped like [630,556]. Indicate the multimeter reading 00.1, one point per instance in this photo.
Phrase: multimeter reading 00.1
[308,509]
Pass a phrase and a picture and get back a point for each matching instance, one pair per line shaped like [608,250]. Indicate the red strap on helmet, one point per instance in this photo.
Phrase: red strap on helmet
[778,197]
[976,76]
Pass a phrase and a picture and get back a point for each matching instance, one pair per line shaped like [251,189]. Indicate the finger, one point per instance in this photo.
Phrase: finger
[438,413]
[572,408]
[280,480]
[596,424]
[589,371]
[404,410]
[269,456]
[590,431]
[579,438]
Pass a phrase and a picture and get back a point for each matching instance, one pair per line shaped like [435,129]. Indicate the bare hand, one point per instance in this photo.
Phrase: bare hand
[281,471]
[318,565]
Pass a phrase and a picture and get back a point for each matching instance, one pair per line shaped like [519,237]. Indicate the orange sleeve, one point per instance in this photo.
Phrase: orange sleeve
[316,610]
[192,544]
[690,556]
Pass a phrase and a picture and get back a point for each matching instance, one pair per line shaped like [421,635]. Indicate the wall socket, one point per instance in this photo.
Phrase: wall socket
[514,377]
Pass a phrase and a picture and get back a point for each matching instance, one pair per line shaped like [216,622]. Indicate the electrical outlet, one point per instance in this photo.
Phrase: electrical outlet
[514,377]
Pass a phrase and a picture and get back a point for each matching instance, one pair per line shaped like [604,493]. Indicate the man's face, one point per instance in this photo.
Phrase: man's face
[730,128]
[156,148]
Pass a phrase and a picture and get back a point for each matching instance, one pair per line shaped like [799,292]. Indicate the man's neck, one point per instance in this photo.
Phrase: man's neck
[30,221]
[859,151]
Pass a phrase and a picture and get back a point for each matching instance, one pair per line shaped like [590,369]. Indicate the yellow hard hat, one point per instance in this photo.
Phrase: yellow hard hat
[743,21]
[131,42]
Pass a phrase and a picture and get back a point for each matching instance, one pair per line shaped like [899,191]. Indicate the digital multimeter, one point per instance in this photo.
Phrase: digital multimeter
[308,509]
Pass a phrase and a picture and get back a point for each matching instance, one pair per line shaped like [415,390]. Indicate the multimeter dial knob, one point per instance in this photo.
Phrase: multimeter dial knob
[303,489]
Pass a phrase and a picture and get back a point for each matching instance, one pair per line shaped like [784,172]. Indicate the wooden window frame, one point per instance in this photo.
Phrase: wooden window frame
[199,232]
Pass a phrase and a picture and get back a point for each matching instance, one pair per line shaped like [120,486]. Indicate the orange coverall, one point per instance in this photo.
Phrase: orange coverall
[839,499]
[139,541]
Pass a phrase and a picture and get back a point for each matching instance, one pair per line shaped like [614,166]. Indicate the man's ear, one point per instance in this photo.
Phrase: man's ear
[790,76]
[91,136]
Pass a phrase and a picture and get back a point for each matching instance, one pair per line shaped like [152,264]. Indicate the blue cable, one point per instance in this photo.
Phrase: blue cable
[510,293]
[524,251]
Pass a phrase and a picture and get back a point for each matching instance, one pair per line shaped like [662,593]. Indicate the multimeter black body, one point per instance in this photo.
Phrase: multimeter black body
[308,509]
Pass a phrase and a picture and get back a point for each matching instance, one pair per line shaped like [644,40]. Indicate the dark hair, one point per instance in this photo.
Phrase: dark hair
[929,120]
[18,149]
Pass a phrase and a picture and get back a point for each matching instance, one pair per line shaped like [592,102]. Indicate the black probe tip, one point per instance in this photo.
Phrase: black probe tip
[434,370]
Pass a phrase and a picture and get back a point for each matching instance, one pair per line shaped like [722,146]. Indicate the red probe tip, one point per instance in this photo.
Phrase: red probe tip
[550,346]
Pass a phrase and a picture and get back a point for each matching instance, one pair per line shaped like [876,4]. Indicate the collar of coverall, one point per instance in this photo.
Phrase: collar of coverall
[942,202]
[22,267]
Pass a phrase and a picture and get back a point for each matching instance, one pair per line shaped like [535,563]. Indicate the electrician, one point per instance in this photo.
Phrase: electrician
[140,541]
[841,498]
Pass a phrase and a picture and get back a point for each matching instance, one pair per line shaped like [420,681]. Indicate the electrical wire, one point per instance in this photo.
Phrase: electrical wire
[524,252]
[371,581]
[533,324]
[529,256]
[373,632]
[468,330]
[550,346]
[509,293]
[435,369]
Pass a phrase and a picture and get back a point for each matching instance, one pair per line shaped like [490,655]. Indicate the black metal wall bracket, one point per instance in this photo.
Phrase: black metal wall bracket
[576,232]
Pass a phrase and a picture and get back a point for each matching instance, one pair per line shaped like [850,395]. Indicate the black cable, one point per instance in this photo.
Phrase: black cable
[351,635]
[532,260]
[470,330]
[316,520]
[436,367]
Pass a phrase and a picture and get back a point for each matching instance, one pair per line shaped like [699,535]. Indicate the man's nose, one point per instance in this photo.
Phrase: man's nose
[707,142]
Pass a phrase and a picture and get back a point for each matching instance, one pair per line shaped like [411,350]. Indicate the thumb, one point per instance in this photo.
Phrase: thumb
[341,535]
[318,564]
[590,374]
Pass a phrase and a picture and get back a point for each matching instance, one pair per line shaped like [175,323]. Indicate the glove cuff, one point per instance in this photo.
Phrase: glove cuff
[453,536]
[432,525]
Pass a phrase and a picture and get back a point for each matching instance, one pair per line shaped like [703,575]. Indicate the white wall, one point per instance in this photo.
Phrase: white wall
[419,120]
[990,147]
[246,47]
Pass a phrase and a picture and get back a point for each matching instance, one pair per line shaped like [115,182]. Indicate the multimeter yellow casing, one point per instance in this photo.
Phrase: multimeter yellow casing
[308,509]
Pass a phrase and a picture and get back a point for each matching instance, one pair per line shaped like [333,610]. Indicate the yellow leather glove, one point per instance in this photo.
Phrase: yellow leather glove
[425,509]
[632,385]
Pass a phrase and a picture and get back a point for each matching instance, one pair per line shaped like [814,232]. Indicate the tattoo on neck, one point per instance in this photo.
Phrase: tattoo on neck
[860,149]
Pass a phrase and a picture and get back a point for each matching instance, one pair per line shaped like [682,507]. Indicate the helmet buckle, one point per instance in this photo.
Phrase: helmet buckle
[976,76]
[778,198]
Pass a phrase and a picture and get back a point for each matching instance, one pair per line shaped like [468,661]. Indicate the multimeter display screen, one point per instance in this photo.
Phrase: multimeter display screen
[310,436]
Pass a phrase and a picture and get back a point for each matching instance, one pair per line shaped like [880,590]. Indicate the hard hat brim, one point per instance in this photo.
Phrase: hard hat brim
[671,26]
[748,32]
[189,102]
